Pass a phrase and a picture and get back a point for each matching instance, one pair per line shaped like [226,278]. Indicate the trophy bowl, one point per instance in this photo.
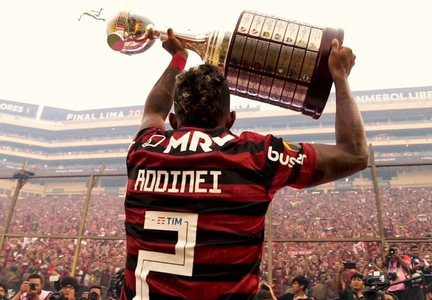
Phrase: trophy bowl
[129,33]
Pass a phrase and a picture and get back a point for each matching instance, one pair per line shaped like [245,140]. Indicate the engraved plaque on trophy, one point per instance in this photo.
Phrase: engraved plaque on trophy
[268,59]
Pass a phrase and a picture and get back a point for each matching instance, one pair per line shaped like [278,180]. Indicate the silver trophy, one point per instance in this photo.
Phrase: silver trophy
[266,58]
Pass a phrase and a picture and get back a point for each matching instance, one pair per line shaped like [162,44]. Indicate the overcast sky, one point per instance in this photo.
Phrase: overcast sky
[48,57]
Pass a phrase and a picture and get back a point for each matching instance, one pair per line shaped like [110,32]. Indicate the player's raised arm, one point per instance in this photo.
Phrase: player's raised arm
[350,154]
[160,98]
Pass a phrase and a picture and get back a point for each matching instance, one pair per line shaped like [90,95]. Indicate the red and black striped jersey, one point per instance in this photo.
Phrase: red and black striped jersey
[195,210]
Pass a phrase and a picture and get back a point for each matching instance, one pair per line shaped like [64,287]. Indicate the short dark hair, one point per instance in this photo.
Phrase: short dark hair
[72,281]
[301,280]
[414,247]
[201,96]
[36,276]
[357,275]
[95,287]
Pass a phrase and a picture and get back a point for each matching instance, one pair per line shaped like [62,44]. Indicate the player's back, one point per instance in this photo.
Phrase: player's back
[195,212]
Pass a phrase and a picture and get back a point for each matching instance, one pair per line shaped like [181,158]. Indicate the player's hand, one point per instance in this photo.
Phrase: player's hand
[173,45]
[24,287]
[341,61]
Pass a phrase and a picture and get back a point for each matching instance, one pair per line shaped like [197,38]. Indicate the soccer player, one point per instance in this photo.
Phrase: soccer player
[197,195]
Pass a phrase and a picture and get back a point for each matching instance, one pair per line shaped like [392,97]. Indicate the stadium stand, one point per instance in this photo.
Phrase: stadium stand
[69,220]
[55,140]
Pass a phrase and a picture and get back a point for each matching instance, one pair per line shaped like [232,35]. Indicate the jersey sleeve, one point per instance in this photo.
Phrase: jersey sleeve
[293,164]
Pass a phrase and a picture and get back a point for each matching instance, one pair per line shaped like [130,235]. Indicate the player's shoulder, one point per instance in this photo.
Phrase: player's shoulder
[251,135]
[148,132]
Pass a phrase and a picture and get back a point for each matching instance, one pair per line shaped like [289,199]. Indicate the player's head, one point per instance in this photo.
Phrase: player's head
[202,99]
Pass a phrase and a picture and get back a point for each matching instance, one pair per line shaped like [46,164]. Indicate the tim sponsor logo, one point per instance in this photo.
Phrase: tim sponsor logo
[168,221]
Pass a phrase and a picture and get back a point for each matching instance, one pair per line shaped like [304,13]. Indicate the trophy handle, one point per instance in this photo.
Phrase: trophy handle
[194,42]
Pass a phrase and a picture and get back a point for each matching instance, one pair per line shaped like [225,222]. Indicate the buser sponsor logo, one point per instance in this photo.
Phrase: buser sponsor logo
[285,159]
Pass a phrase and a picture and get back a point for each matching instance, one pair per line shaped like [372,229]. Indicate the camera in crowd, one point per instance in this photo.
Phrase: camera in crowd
[391,253]
[93,296]
[378,280]
[56,296]
[116,284]
[376,284]
[59,284]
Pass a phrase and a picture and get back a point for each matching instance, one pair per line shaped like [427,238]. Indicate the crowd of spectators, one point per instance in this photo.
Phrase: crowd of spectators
[98,260]
[406,212]
[352,213]
[311,214]
[347,214]
[59,215]
[319,262]
[318,214]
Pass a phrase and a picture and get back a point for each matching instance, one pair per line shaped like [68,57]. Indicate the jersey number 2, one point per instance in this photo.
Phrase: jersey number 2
[180,263]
